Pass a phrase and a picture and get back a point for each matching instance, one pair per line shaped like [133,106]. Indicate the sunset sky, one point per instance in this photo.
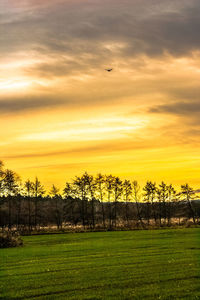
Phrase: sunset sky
[63,114]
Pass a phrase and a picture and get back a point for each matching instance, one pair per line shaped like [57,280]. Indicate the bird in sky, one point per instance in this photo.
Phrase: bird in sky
[108,70]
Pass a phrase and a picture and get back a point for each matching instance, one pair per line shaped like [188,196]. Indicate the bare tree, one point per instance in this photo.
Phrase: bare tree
[1,193]
[2,175]
[38,191]
[149,197]
[172,197]
[29,190]
[71,201]
[89,179]
[109,183]
[127,193]
[135,193]
[11,187]
[118,190]
[57,204]
[100,181]
[163,195]
[80,186]
[189,193]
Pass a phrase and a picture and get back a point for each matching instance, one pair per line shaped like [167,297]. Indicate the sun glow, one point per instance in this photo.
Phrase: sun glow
[14,84]
[90,130]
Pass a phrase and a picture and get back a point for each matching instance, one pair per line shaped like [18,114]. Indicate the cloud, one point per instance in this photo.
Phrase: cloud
[75,27]
[188,114]
[105,148]
[16,105]
[185,108]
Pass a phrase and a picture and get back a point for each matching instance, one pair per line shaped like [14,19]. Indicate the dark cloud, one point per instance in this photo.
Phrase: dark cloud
[54,99]
[74,27]
[16,105]
[72,37]
[186,91]
[186,108]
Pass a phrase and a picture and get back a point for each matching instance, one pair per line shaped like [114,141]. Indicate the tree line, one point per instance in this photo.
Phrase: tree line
[101,201]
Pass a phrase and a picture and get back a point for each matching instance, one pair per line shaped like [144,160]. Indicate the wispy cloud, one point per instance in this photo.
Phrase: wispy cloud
[190,108]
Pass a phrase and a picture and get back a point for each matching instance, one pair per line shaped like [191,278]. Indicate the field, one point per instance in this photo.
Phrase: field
[159,264]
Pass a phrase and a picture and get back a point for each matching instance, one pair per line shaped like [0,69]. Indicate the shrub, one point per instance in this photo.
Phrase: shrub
[9,239]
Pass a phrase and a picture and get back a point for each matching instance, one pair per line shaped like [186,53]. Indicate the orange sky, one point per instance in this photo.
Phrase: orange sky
[63,114]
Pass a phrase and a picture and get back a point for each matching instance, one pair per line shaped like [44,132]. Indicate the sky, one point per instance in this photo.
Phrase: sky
[62,113]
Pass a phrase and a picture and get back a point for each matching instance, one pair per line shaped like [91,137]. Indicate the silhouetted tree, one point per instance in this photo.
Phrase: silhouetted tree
[135,193]
[163,195]
[38,192]
[2,174]
[127,193]
[89,179]
[149,197]
[117,191]
[80,186]
[189,193]
[100,180]
[29,192]
[57,204]
[171,199]
[1,194]
[11,186]
[71,201]
[109,183]
[69,191]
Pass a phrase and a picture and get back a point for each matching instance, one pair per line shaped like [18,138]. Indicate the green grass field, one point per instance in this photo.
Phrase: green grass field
[159,264]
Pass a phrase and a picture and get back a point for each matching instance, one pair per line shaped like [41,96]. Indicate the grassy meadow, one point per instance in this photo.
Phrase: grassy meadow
[157,264]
